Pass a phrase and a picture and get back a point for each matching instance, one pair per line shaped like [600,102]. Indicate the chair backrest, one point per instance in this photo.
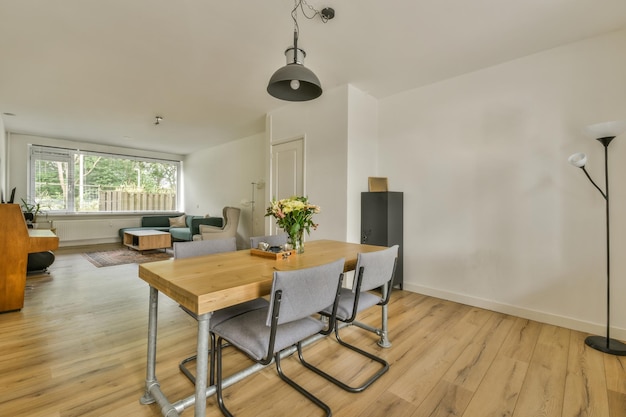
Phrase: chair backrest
[231,219]
[305,291]
[378,268]
[272,240]
[204,247]
[229,229]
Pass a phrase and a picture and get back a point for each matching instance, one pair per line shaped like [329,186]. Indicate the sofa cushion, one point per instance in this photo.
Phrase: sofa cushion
[178,221]
[157,221]
[180,233]
[195,223]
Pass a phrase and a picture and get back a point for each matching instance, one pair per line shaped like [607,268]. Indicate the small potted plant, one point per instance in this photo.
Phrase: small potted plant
[30,211]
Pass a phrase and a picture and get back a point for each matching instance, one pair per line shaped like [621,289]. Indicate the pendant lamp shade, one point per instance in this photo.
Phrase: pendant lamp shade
[294,82]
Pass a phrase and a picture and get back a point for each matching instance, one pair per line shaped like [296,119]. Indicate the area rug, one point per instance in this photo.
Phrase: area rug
[124,256]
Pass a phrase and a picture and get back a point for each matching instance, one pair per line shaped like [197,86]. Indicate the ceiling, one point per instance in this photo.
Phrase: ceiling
[102,70]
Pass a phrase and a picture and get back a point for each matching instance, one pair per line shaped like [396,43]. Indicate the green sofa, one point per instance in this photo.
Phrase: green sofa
[178,233]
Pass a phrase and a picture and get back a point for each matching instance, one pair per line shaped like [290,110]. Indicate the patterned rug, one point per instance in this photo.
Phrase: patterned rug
[124,256]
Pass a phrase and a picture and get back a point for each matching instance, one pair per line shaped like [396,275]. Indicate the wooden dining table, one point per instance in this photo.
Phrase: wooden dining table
[208,283]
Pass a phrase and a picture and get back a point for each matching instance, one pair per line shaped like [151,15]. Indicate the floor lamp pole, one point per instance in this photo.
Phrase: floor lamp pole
[601,343]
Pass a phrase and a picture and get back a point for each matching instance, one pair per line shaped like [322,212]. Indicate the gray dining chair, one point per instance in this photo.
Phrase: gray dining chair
[265,333]
[208,247]
[204,247]
[374,270]
[272,240]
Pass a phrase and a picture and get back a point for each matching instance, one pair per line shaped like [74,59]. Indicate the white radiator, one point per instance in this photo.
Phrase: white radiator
[90,231]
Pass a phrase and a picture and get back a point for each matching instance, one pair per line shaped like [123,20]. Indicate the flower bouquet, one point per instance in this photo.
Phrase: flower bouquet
[294,215]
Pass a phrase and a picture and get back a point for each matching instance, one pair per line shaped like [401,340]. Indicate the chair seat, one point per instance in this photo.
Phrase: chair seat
[249,332]
[224,314]
[346,303]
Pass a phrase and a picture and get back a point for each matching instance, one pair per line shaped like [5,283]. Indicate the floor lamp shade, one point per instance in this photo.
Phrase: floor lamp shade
[605,129]
[578,160]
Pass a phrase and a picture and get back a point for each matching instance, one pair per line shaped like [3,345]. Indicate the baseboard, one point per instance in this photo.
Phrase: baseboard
[87,242]
[540,316]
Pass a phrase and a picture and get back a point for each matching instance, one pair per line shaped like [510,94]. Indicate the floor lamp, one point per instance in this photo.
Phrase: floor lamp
[604,133]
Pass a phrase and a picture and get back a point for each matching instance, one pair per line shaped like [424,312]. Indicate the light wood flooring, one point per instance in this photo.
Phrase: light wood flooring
[78,348]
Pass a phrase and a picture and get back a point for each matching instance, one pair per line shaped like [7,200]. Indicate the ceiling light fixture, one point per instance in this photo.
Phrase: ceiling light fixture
[295,82]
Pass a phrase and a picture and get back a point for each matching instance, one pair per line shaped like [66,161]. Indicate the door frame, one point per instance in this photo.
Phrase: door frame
[269,229]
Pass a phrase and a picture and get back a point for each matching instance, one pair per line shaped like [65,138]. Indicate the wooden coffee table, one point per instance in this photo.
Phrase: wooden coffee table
[147,239]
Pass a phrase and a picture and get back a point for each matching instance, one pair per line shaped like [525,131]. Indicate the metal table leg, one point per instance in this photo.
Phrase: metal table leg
[152,336]
[382,332]
[153,390]
[202,364]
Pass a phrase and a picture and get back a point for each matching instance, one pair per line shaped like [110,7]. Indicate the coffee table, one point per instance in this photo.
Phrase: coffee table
[147,239]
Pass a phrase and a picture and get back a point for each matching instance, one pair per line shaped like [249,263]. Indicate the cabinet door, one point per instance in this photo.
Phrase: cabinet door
[382,223]
[374,213]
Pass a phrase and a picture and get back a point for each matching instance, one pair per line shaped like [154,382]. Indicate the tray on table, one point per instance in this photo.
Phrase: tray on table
[272,255]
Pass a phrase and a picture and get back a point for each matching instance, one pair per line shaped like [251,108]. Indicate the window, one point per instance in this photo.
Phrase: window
[73,181]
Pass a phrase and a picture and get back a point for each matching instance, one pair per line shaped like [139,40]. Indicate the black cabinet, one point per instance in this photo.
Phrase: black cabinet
[381,223]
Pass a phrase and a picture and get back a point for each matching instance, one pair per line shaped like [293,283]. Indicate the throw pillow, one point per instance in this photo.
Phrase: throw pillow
[178,221]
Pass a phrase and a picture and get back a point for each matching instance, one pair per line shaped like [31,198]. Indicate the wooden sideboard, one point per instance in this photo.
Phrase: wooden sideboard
[16,242]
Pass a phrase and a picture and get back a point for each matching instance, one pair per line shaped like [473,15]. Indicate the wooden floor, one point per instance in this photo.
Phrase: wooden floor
[78,348]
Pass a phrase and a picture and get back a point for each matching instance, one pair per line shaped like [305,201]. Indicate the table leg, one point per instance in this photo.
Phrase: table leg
[384,337]
[202,364]
[382,332]
[153,390]
[152,337]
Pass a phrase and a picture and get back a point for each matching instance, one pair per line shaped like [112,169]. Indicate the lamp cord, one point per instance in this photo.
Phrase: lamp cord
[299,4]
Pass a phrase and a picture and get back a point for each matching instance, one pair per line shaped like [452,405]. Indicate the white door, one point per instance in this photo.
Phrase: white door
[287,171]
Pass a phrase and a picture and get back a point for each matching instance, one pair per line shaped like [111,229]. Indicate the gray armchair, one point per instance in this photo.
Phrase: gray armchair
[231,222]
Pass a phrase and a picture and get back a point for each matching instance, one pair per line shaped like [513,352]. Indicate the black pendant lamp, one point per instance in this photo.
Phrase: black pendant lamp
[295,82]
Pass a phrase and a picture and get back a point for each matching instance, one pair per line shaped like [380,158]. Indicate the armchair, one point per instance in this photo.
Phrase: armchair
[229,229]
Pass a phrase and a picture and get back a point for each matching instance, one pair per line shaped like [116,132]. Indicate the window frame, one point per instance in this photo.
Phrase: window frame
[63,154]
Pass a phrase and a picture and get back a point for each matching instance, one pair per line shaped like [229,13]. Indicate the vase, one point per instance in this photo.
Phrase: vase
[297,241]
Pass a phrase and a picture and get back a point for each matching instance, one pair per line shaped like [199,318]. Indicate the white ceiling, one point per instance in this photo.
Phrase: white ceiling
[101,70]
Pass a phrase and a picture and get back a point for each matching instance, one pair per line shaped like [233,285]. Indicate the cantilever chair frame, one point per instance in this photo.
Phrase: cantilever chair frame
[186,249]
[270,356]
[352,320]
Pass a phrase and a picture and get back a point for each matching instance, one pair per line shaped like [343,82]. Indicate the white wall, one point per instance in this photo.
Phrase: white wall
[494,214]
[323,123]
[362,155]
[222,176]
